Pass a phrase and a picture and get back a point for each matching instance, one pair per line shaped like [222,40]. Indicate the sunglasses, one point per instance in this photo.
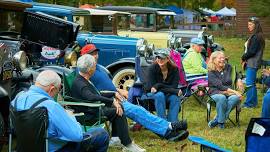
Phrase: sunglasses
[158,57]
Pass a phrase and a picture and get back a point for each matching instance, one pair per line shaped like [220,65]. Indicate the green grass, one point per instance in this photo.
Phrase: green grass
[232,138]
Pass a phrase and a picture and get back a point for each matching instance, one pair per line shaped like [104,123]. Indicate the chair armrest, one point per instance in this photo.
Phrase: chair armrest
[86,104]
[71,99]
[107,93]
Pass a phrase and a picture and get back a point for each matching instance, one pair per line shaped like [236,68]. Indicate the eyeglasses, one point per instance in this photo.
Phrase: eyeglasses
[253,19]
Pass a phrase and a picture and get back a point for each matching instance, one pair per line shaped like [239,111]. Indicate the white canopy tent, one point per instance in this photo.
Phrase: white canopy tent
[233,9]
[208,11]
[225,12]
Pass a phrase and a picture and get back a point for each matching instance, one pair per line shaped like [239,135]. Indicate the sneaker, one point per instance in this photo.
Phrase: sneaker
[133,148]
[212,123]
[179,125]
[115,142]
[177,136]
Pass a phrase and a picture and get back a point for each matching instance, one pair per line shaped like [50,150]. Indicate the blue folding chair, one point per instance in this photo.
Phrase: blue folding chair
[206,145]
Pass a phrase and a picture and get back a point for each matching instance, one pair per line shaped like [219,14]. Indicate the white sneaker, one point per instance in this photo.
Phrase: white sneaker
[115,142]
[133,148]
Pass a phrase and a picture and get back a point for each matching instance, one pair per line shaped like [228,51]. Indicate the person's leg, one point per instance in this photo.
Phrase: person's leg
[160,104]
[145,118]
[95,139]
[251,100]
[119,125]
[233,100]
[266,105]
[221,106]
[174,106]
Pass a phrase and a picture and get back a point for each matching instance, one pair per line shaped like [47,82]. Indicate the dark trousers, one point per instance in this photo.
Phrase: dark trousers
[95,139]
[119,125]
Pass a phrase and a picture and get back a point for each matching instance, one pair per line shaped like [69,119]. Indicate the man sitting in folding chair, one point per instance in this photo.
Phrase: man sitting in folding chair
[64,132]
[165,129]
[83,89]
[193,61]
[220,88]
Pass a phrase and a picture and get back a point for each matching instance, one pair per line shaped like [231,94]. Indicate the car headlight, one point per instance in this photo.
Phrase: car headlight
[141,46]
[71,58]
[20,60]
[210,39]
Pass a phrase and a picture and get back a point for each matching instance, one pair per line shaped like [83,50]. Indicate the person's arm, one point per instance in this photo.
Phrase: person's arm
[252,48]
[151,77]
[91,97]
[65,125]
[195,62]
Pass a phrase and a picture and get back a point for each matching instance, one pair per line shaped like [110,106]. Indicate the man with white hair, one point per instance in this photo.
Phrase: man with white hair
[83,89]
[64,132]
[193,61]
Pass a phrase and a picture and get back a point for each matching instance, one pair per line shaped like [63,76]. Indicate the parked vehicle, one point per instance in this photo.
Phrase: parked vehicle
[180,41]
[19,32]
[108,22]
[153,24]
[116,53]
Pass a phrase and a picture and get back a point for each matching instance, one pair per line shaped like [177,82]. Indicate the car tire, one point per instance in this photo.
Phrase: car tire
[124,77]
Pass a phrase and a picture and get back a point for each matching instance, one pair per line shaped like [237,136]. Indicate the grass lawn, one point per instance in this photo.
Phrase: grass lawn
[232,138]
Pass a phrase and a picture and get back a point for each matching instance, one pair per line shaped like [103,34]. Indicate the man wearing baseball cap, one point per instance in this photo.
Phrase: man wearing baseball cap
[193,61]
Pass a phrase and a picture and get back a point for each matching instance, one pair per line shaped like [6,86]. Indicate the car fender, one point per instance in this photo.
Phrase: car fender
[120,63]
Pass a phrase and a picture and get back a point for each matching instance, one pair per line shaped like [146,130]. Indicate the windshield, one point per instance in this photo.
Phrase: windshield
[142,21]
[11,21]
[84,22]
[163,21]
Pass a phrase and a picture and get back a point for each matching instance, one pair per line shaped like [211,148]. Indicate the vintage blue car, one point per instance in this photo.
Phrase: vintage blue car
[116,53]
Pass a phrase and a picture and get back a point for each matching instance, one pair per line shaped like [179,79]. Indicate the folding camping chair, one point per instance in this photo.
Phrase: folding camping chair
[211,102]
[77,104]
[30,127]
[258,135]
[206,146]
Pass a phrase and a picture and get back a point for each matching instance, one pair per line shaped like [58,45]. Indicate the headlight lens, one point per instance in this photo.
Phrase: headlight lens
[141,46]
[20,60]
[71,58]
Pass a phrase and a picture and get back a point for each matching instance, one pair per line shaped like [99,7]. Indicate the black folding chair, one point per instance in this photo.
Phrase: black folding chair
[30,127]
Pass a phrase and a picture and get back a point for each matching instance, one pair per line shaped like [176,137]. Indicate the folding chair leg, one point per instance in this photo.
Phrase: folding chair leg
[208,111]
[10,142]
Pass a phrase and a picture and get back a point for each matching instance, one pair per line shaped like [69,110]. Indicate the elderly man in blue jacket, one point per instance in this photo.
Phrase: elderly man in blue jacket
[64,132]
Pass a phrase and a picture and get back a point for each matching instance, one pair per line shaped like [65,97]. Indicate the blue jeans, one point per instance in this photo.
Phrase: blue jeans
[266,105]
[145,118]
[224,105]
[160,104]
[98,141]
[251,100]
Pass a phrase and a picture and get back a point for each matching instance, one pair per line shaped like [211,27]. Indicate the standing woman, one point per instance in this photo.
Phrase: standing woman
[163,78]
[252,57]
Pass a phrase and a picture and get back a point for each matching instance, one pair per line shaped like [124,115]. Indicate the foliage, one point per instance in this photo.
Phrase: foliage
[261,7]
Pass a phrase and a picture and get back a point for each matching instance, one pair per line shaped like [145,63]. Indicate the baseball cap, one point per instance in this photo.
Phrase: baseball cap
[197,41]
[162,53]
[89,48]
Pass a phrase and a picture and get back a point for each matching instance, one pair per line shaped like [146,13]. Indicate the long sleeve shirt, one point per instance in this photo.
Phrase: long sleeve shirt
[82,89]
[220,81]
[193,62]
[62,127]
[254,52]
[155,79]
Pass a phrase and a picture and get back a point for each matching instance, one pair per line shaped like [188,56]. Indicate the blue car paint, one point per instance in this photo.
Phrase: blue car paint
[112,48]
